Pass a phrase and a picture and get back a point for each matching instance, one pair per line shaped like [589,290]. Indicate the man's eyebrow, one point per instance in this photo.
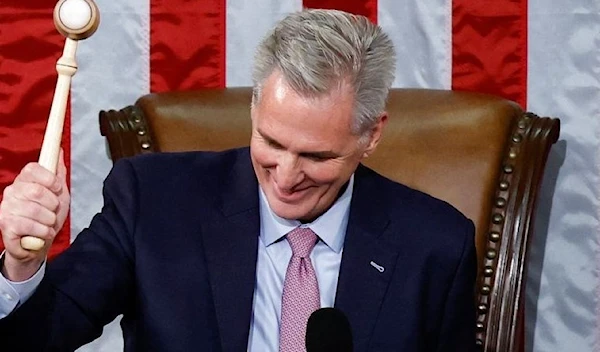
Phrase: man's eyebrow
[268,138]
[324,154]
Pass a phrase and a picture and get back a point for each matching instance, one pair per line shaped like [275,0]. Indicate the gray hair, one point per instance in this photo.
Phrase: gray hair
[318,50]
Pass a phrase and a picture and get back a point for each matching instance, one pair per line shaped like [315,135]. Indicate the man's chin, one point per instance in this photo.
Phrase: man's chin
[289,212]
[298,207]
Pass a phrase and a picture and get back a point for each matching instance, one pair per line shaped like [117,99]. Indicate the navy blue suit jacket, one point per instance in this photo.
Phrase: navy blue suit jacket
[175,246]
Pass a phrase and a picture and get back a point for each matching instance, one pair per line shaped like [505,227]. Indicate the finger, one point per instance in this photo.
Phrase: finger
[29,192]
[62,167]
[36,173]
[61,171]
[64,196]
[15,227]
[16,251]
[31,210]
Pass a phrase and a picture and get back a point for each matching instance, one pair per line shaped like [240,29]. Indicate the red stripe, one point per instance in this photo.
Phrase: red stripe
[187,44]
[367,8]
[29,48]
[489,47]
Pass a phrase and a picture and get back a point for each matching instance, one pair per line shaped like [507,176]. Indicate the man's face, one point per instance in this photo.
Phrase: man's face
[303,149]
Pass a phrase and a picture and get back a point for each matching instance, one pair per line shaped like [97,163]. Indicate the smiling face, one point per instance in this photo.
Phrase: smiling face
[303,149]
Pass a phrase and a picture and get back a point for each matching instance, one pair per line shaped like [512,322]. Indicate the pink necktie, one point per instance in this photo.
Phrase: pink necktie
[300,291]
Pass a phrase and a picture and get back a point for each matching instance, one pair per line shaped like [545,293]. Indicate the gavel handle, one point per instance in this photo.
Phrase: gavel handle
[66,66]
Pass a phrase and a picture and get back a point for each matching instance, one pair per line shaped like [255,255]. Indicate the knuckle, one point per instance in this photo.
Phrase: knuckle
[54,203]
[33,212]
[53,233]
[4,220]
[35,191]
[27,227]
[52,219]
[8,224]
[48,233]
[7,191]
[3,224]
[29,169]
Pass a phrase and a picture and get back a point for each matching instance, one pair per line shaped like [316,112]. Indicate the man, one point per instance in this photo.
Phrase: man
[233,251]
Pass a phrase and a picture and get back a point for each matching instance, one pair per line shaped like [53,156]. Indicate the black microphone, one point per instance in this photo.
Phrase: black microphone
[328,330]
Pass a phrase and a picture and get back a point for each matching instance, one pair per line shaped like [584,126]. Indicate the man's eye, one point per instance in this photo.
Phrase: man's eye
[317,157]
[274,145]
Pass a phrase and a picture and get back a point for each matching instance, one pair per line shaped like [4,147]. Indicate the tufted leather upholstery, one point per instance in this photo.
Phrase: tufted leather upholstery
[481,153]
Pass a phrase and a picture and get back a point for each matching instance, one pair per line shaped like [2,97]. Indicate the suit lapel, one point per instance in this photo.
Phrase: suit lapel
[367,263]
[231,245]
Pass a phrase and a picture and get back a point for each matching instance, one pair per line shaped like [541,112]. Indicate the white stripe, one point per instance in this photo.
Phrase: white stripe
[564,81]
[421,32]
[247,23]
[113,72]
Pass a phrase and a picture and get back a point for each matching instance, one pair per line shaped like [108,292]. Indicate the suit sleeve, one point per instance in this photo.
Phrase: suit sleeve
[88,285]
[458,322]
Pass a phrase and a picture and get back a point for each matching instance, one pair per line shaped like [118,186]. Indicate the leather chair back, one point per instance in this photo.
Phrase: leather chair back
[480,153]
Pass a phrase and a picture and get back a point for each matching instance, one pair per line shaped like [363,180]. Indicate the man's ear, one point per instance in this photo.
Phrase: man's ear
[375,134]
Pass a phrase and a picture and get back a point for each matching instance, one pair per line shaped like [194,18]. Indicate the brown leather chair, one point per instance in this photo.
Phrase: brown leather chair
[481,153]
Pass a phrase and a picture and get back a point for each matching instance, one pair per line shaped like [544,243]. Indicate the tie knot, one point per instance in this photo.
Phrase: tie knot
[302,240]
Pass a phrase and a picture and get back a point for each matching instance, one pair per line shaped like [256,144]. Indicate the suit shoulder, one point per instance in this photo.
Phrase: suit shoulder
[186,159]
[425,218]
[405,199]
[195,164]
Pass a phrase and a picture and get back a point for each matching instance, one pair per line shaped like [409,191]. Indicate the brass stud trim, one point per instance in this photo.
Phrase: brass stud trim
[136,118]
[488,271]
[500,202]
[496,223]
[517,137]
[497,218]
[494,236]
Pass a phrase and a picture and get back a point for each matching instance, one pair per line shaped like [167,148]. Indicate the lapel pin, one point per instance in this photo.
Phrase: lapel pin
[377,266]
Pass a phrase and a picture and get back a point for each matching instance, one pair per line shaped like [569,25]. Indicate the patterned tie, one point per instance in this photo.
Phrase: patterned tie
[300,291]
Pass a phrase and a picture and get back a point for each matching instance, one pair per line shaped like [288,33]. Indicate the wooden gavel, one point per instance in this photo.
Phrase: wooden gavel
[76,20]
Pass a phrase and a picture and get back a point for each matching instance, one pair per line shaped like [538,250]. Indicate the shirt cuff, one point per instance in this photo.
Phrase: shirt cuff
[13,293]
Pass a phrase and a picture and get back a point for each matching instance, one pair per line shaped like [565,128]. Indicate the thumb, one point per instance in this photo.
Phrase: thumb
[61,171]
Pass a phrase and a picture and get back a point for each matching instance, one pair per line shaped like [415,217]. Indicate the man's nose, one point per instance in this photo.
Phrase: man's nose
[288,172]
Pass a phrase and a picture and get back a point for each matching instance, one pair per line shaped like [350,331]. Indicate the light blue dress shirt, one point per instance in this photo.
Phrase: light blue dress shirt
[274,254]
[14,293]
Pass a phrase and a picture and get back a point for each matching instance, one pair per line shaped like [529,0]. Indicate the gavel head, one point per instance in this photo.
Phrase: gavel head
[76,19]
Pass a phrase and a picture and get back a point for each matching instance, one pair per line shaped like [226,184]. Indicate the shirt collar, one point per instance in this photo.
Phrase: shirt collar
[330,226]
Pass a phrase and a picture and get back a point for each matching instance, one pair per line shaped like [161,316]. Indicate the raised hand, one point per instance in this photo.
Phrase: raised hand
[36,204]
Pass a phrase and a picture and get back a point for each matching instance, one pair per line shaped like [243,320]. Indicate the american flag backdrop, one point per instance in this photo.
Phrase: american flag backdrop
[544,54]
